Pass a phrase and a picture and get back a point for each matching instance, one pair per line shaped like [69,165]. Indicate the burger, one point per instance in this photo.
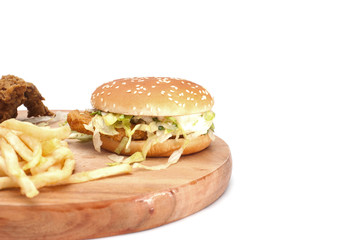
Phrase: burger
[148,116]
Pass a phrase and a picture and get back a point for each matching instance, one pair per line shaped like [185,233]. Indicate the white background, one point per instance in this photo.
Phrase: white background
[285,76]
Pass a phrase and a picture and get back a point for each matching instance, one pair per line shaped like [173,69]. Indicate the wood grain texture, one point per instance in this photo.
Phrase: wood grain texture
[121,204]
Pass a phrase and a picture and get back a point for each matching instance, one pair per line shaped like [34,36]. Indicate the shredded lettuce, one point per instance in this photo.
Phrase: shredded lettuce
[97,142]
[173,159]
[209,116]
[97,123]
[110,119]
[211,135]
[80,136]
[135,158]
[117,159]
[98,112]
[122,145]
[158,129]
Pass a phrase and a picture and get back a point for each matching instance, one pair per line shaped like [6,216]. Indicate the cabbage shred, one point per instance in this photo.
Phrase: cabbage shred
[158,130]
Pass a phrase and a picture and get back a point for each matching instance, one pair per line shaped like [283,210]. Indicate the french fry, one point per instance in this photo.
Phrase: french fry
[3,169]
[32,157]
[15,172]
[98,173]
[55,167]
[23,151]
[52,177]
[49,146]
[36,147]
[41,133]
[6,182]
[65,176]
[56,157]
[43,179]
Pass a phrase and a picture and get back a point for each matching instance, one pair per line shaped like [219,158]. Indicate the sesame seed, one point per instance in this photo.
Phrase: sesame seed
[97,94]
[181,94]
[140,92]
[117,87]
[102,93]
[129,90]
[101,99]
[188,98]
[175,101]
[134,108]
[153,86]
[149,94]
[162,92]
[171,90]
[170,99]
[124,83]
[113,105]
[109,93]
[135,92]
[169,94]
[204,97]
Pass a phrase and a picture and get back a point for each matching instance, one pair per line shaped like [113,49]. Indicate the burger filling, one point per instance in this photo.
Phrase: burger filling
[127,128]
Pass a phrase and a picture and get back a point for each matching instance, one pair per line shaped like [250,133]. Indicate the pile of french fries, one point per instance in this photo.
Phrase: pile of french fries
[33,157]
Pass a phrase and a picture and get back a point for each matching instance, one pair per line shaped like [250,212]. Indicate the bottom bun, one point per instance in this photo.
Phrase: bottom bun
[164,149]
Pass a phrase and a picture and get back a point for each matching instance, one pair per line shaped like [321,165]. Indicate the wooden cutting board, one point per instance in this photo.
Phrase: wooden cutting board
[116,205]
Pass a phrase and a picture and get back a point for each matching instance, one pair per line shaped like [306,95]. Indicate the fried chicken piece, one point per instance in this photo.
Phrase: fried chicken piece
[14,92]
[76,120]
[33,102]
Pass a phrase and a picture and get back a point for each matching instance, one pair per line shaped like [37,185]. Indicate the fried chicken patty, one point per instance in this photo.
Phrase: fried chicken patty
[76,120]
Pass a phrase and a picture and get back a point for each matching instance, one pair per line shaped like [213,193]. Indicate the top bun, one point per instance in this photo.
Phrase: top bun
[152,96]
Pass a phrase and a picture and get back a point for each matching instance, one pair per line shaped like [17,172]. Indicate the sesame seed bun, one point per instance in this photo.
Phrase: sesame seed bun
[152,96]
